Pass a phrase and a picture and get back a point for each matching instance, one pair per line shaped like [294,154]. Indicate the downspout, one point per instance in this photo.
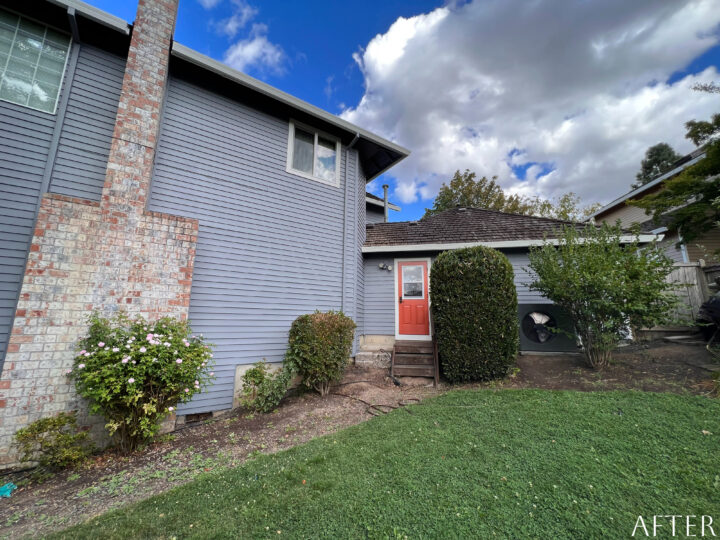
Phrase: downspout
[386,203]
[344,228]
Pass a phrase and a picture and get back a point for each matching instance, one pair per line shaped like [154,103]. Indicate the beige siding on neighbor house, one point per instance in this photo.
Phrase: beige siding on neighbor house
[626,214]
[704,247]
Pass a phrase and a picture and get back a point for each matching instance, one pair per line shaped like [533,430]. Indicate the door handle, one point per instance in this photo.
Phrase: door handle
[400,300]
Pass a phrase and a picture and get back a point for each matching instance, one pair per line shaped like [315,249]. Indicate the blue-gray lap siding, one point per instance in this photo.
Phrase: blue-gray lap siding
[374,213]
[379,300]
[68,150]
[270,244]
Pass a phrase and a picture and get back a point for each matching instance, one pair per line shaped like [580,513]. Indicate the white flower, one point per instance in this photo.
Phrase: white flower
[115,349]
[107,348]
[187,390]
[80,366]
[125,359]
[143,349]
[171,409]
[101,344]
[166,344]
[178,361]
[131,380]
[87,354]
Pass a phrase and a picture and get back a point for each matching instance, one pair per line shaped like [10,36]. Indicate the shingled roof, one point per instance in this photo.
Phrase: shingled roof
[465,225]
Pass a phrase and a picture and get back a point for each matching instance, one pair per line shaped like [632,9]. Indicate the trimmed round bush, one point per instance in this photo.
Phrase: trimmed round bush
[319,348]
[474,309]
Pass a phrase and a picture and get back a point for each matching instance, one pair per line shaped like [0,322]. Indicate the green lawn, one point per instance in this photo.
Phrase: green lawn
[511,463]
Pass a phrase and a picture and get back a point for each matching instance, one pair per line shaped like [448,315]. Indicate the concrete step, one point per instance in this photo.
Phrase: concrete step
[373,359]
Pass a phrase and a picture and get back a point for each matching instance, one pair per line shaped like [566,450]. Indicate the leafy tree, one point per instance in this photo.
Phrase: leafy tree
[710,88]
[604,285]
[703,131]
[466,190]
[658,160]
[568,207]
[687,199]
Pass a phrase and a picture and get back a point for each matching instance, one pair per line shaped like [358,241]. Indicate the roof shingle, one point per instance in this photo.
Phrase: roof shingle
[465,225]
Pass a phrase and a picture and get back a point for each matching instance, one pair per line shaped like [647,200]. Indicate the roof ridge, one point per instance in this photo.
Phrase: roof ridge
[554,220]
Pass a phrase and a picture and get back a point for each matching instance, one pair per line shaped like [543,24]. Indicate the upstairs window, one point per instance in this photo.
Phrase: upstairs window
[313,155]
[32,62]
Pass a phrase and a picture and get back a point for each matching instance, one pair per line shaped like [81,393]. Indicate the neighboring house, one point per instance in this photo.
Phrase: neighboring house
[140,175]
[375,208]
[675,247]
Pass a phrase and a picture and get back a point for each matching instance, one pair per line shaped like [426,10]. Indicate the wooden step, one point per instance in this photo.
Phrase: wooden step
[405,359]
[414,347]
[414,371]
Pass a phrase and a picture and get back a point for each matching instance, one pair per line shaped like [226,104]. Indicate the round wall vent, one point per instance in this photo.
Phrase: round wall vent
[536,326]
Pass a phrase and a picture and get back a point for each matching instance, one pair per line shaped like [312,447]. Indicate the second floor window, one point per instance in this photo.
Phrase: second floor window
[313,154]
[32,62]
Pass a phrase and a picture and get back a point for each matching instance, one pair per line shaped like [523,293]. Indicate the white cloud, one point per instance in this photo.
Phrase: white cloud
[329,88]
[574,85]
[209,4]
[243,13]
[256,52]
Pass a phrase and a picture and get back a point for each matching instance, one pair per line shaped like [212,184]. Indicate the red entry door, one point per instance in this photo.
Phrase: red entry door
[413,313]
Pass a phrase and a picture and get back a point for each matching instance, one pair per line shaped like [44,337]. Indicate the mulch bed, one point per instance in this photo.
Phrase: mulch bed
[111,480]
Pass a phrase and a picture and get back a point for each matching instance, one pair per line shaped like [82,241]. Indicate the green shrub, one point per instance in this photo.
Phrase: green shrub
[474,309]
[605,283]
[54,443]
[319,348]
[262,389]
[134,372]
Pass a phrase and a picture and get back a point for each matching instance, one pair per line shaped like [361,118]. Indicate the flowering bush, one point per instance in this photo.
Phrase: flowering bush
[134,372]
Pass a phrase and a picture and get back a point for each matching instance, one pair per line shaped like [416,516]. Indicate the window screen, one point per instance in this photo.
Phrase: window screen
[32,62]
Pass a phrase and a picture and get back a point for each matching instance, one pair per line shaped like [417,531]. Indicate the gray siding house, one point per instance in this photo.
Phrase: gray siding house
[253,204]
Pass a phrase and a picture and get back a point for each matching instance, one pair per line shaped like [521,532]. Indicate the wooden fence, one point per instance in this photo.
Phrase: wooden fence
[691,289]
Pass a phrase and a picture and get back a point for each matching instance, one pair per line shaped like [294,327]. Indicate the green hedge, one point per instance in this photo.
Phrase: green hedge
[474,307]
[319,348]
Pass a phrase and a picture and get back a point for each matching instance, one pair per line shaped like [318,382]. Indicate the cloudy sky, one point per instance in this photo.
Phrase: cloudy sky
[549,95]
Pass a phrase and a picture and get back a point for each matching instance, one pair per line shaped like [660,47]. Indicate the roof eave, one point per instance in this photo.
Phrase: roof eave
[499,244]
[189,55]
[645,187]
[94,14]
[382,204]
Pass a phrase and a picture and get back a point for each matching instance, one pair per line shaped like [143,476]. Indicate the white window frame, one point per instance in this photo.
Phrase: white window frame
[64,69]
[316,133]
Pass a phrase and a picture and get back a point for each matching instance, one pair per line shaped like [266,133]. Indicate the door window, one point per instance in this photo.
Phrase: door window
[413,282]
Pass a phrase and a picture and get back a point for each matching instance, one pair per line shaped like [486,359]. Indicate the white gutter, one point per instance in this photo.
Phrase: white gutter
[382,204]
[506,244]
[194,57]
[645,187]
[94,14]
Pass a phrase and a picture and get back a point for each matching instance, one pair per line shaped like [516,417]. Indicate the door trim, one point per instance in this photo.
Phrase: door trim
[398,336]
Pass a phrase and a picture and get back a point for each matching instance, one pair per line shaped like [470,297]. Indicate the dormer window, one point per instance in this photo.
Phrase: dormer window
[32,62]
[313,154]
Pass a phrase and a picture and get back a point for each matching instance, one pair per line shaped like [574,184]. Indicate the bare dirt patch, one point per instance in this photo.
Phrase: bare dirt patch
[111,480]
[653,367]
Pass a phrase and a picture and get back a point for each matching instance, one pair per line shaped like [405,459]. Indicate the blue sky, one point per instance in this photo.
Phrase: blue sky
[485,85]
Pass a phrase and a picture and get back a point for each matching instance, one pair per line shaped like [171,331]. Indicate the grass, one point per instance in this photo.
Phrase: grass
[509,463]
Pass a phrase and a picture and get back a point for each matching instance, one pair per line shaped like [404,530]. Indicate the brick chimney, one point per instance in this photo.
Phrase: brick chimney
[108,256]
[129,167]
